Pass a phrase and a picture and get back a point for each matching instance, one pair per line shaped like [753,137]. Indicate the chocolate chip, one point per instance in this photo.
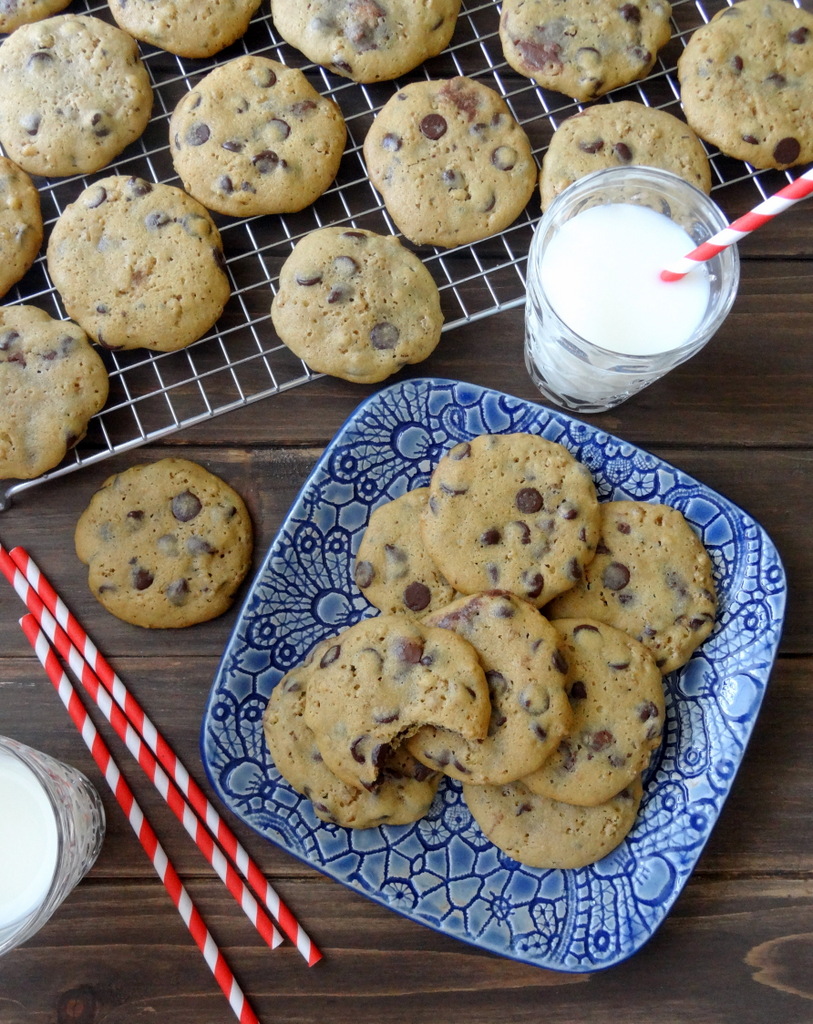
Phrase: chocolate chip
[559,661]
[330,655]
[136,513]
[647,711]
[6,339]
[798,35]
[460,451]
[142,578]
[364,574]
[267,161]
[623,527]
[232,146]
[528,500]
[391,142]
[39,57]
[30,123]
[630,12]
[787,150]
[138,187]
[356,751]
[157,219]
[504,158]
[264,77]
[387,717]
[578,691]
[197,134]
[777,79]
[308,280]
[186,506]
[417,596]
[199,546]
[177,592]
[534,583]
[303,107]
[225,184]
[409,650]
[641,54]
[534,700]
[622,152]
[339,293]
[384,336]
[492,536]
[752,140]
[433,126]
[345,265]
[615,576]
[539,56]
[523,530]
[601,739]
[594,146]
[736,63]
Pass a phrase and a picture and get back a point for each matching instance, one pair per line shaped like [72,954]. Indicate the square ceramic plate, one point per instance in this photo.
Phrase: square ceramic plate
[441,871]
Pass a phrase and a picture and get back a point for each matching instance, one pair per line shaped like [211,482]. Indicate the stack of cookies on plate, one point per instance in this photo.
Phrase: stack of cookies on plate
[524,631]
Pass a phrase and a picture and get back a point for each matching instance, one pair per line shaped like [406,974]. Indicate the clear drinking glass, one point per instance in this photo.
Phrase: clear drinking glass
[576,373]
[64,825]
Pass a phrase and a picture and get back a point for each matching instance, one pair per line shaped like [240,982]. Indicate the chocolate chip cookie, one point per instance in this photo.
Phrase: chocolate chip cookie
[616,693]
[379,681]
[14,13]
[21,226]
[356,305]
[525,670]
[544,833]
[166,544]
[197,29]
[512,511]
[75,93]
[138,265]
[620,134]
[451,163]
[51,382]
[404,790]
[584,48]
[746,82]
[651,577]
[393,569]
[367,40]
[255,137]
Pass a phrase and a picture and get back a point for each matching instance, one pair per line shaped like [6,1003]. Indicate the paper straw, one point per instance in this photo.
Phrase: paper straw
[761,214]
[36,591]
[139,823]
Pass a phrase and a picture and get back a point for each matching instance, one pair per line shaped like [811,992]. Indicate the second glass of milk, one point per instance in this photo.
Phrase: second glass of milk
[52,826]
[600,324]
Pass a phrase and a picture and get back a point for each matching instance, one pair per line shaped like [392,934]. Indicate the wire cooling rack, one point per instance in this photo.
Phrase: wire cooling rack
[241,360]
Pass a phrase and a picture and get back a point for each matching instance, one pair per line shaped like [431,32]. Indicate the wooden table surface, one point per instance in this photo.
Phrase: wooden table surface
[738,944]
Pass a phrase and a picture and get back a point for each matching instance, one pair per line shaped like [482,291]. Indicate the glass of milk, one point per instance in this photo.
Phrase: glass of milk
[600,324]
[51,830]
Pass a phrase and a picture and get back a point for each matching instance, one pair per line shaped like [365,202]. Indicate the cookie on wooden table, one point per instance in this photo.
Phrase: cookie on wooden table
[530,712]
[51,382]
[138,265]
[21,226]
[618,135]
[392,568]
[382,679]
[746,82]
[451,163]
[75,93]
[651,577]
[511,511]
[188,29]
[367,40]
[616,693]
[14,13]
[166,544]
[356,304]
[403,793]
[584,48]
[255,137]
[544,833]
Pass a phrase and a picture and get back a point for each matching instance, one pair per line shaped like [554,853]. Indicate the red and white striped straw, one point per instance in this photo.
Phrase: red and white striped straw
[36,591]
[139,823]
[761,214]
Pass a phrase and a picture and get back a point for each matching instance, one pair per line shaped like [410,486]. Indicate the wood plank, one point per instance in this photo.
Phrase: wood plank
[732,952]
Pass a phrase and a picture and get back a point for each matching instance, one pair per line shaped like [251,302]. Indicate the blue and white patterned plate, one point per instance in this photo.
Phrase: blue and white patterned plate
[441,871]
